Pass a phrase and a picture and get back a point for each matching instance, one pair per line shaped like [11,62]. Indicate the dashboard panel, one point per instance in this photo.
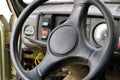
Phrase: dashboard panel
[42,24]
[56,13]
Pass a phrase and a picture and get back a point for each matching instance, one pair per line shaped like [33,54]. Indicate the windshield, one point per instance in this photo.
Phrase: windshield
[4,10]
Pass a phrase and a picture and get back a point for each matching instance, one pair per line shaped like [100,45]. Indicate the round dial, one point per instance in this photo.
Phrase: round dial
[29,30]
[100,34]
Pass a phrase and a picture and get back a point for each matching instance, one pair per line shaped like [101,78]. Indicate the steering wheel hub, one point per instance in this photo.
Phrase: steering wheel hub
[63,40]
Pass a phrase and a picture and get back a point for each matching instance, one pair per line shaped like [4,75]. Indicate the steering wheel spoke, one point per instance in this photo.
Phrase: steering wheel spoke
[85,50]
[33,74]
[78,16]
[96,61]
[49,64]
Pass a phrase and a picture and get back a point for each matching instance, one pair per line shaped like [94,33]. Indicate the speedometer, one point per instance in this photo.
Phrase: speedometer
[101,34]
[29,30]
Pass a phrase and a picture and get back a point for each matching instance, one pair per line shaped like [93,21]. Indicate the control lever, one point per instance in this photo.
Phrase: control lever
[41,43]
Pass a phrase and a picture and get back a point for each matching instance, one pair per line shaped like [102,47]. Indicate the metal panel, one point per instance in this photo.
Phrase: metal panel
[4,55]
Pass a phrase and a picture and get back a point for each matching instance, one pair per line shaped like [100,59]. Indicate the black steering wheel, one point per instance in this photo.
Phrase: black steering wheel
[67,42]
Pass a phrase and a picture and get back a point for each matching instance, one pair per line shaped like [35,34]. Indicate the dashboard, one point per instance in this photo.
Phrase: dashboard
[45,18]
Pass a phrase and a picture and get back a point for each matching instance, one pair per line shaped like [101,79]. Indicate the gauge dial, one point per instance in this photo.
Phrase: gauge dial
[100,34]
[29,30]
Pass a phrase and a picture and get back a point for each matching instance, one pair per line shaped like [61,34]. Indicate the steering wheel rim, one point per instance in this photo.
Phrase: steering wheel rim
[71,25]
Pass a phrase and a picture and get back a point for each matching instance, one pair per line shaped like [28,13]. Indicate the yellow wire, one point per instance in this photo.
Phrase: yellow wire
[35,62]
[37,59]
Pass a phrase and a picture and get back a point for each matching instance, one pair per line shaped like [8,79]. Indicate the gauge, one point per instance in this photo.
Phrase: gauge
[29,30]
[100,34]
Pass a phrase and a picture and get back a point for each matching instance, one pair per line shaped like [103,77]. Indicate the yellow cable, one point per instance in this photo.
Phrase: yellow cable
[37,58]
[35,62]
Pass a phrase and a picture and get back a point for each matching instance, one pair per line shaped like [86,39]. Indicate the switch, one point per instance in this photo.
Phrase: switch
[119,43]
[44,34]
[45,27]
[46,22]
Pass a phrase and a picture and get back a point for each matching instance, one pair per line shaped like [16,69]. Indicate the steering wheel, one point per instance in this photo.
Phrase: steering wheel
[67,42]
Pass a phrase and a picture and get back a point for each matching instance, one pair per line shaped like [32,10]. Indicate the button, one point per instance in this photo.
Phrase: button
[45,32]
[46,22]
[119,43]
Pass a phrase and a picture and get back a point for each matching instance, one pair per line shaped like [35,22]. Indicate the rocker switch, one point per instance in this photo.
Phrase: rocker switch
[46,22]
[44,34]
